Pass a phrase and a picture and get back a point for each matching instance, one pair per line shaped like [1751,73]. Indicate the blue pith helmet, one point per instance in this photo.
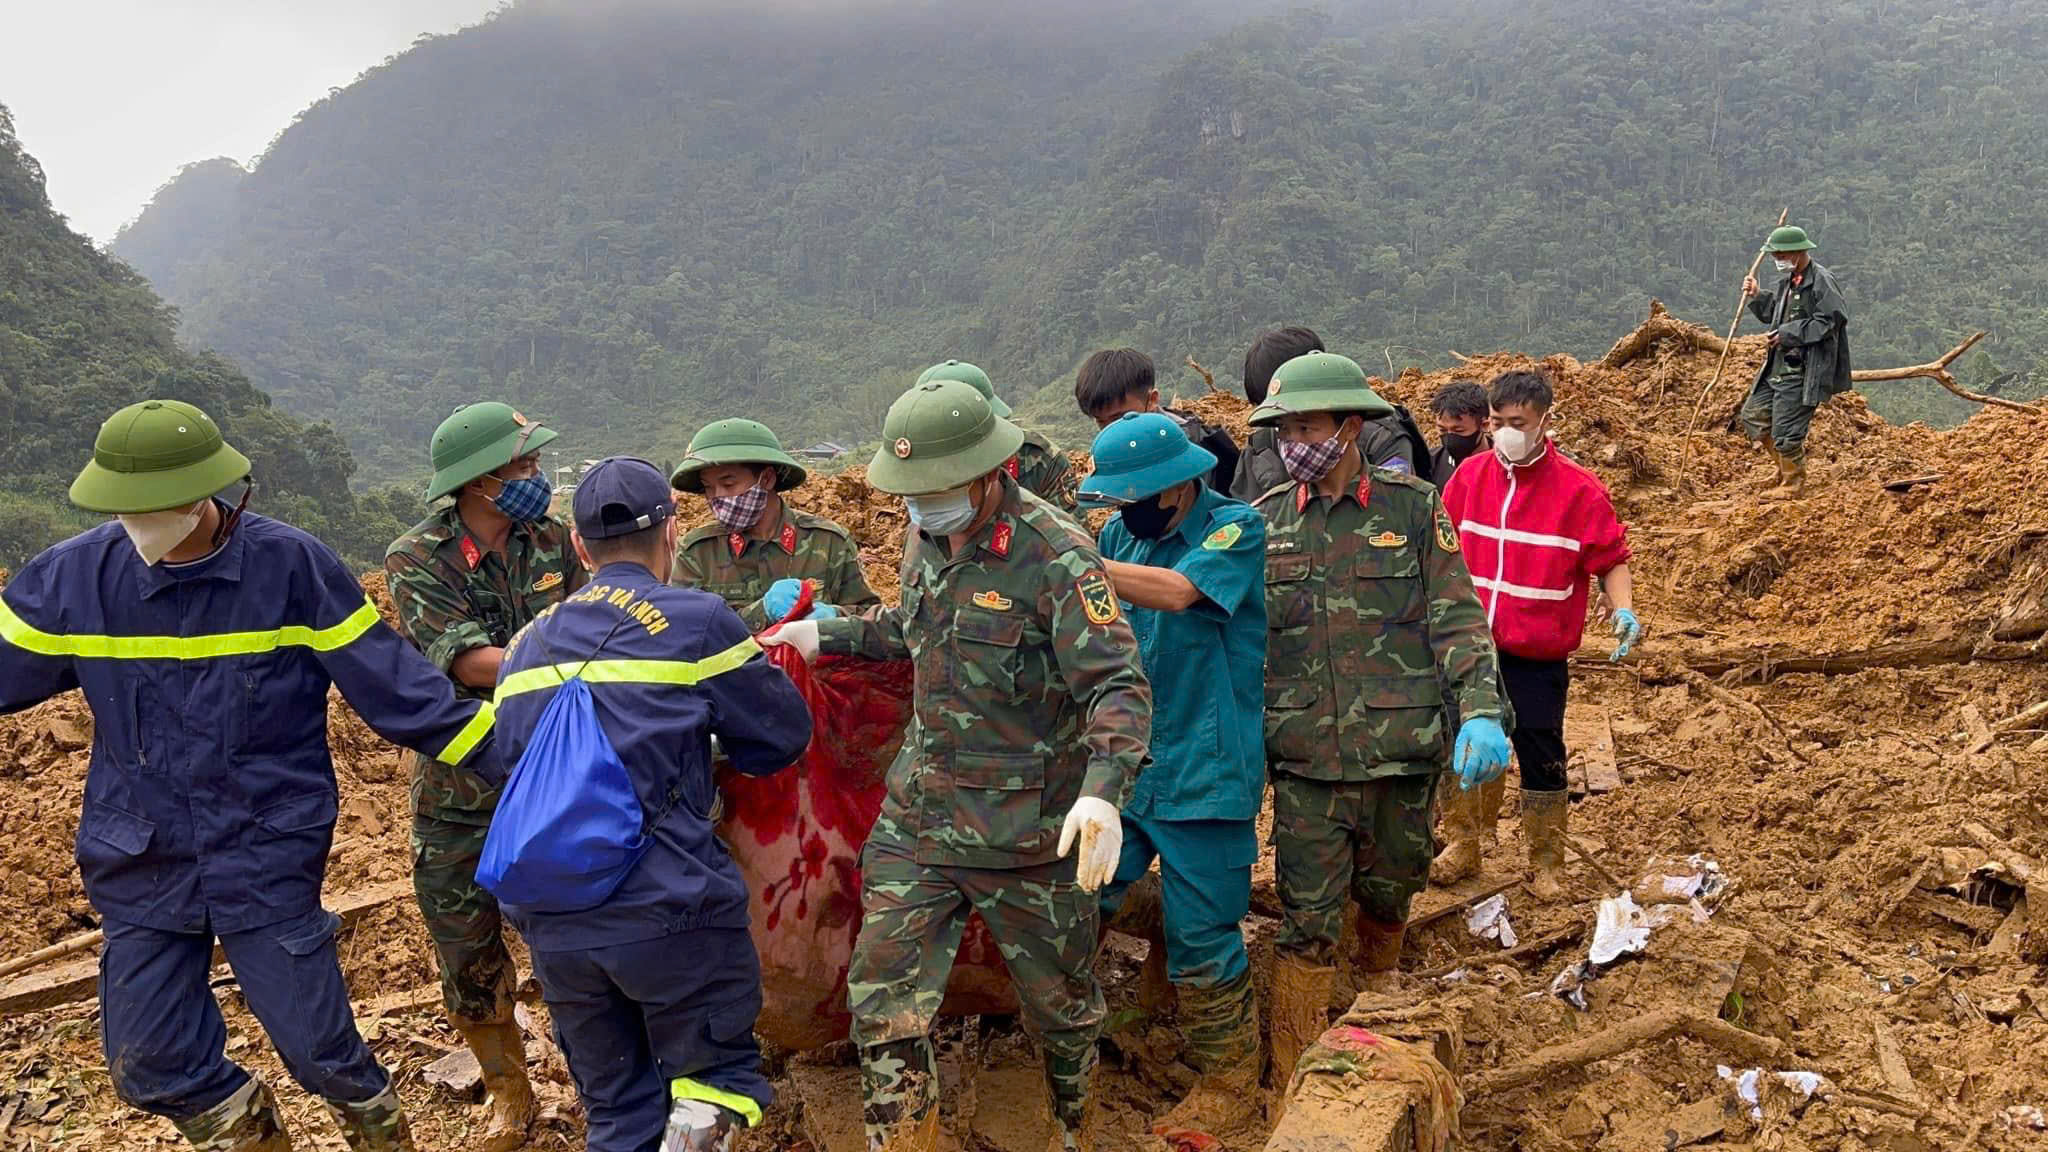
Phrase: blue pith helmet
[1142,454]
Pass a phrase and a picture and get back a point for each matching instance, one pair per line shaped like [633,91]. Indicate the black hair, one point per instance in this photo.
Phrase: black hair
[1521,388]
[1108,376]
[1460,398]
[1270,349]
[644,546]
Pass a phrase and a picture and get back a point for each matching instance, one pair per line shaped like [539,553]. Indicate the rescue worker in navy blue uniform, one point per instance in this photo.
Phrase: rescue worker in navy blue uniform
[205,638]
[654,992]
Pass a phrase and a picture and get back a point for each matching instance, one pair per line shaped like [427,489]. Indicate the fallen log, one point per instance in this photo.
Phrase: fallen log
[80,980]
[1650,1029]
[1938,371]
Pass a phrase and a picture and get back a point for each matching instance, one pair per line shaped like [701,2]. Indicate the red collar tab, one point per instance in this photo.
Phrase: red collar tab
[738,544]
[471,554]
[789,538]
[999,540]
[1364,492]
[1011,467]
[1301,497]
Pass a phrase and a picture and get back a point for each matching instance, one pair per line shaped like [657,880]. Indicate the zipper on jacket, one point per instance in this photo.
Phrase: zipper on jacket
[1500,556]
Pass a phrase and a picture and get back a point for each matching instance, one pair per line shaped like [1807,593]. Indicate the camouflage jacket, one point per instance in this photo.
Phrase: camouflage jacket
[1042,469]
[1029,690]
[1369,613]
[452,596]
[740,568]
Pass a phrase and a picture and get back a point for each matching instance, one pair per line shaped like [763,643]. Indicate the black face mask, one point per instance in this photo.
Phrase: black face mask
[1461,446]
[1146,519]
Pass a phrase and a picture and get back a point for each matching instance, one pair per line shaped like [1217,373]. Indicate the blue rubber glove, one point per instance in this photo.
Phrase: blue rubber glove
[824,611]
[781,597]
[1482,752]
[1627,630]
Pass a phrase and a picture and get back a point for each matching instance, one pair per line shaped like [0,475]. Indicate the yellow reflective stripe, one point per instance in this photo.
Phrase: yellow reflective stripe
[684,1088]
[21,634]
[683,672]
[471,735]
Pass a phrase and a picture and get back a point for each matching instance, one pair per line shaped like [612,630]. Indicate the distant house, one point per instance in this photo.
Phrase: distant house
[825,450]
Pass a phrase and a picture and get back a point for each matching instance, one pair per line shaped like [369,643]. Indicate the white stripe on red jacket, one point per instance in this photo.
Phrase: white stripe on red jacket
[1534,535]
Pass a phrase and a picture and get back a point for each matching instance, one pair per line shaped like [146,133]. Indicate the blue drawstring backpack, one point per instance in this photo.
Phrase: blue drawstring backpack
[569,827]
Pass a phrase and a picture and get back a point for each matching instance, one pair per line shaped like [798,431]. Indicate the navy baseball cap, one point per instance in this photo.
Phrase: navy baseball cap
[621,495]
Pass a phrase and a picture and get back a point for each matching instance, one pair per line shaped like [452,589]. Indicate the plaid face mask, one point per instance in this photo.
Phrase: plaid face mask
[741,512]
[1308,463]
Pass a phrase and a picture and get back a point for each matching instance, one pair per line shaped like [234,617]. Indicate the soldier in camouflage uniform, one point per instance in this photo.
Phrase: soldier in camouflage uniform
[464,581]
[759,550]
[1032,716]
[1039,465]
[1809,359]
[1370,613]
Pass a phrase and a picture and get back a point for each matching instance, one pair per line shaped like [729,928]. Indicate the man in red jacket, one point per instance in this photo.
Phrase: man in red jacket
[1535,525]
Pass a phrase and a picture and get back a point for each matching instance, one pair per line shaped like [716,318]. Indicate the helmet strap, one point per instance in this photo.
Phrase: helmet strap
[227,525]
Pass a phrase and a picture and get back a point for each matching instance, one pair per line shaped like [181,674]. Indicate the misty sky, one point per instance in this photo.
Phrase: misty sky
[114,96]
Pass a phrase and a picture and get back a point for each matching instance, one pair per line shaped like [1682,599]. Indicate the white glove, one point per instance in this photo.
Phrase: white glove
[1101,832]
[801,635]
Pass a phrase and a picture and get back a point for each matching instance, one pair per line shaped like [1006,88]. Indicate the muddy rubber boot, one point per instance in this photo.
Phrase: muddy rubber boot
[1300,1014]
[701,1126]
[1460,857]
[1142,915]
[1791,477]
[899,1092]
[1544,815]
[1377,963]
[1491,794]
[1777,466]
[501,1054]
[916,1133]
[374,1125]
[244,1122]
[1222,1026]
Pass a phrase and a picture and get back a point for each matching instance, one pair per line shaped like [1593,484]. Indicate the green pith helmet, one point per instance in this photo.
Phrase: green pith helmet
[1790,238]
[479,439]
[1320,382]
[940,435]
[967,373]
[156,455]
[735,441]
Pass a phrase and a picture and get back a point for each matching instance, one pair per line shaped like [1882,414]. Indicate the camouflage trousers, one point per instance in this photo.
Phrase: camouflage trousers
[463,919]
[912,919]
[1367,839]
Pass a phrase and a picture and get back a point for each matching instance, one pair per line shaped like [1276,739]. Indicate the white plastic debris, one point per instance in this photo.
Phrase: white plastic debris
[1488,920]
[1697,878]
[1570,985]
[1746,1084]
[2023,1116]
[1621,928]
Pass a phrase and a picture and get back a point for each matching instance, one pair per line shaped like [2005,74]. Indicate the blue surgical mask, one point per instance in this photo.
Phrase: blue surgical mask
[526,499]
[942,513]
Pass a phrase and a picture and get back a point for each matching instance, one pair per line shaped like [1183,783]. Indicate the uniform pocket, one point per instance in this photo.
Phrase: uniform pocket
[312,968]
[1290,720]
[988,644]
[1405,717]
[297,815]
[1389,586]
[1290,614]
[999,800]
[124,832]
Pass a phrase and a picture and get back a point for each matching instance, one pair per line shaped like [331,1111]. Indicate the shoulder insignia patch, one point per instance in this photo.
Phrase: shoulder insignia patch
[993,600]
[1223,537]
[999,541]
[471,554]
[549,581]
[1446,536]
[1098,599]
[1388,540]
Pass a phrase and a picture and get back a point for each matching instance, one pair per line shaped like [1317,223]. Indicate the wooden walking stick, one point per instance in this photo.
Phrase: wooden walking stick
[1685,456]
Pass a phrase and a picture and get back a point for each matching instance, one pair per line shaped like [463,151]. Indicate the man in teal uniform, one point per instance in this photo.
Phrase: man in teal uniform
[1191,564]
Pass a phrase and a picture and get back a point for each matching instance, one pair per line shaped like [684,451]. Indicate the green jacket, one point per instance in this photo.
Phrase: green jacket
[1042,468]
[739,569]
[1811,319]
[1029,690]
[1369,613]
[452,596]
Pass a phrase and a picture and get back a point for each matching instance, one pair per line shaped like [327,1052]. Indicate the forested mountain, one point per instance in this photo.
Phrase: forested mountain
[81,336]
[631,216]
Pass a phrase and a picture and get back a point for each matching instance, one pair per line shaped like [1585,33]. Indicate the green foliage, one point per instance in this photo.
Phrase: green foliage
[81,336]
[630,218]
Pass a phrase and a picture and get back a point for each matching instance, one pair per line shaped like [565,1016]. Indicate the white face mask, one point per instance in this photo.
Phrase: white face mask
[1785,266]
[1515,446]
[942,513]
[154,534]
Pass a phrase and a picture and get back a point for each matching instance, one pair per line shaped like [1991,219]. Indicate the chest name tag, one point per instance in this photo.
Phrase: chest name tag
[993,600]
[1388,540]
